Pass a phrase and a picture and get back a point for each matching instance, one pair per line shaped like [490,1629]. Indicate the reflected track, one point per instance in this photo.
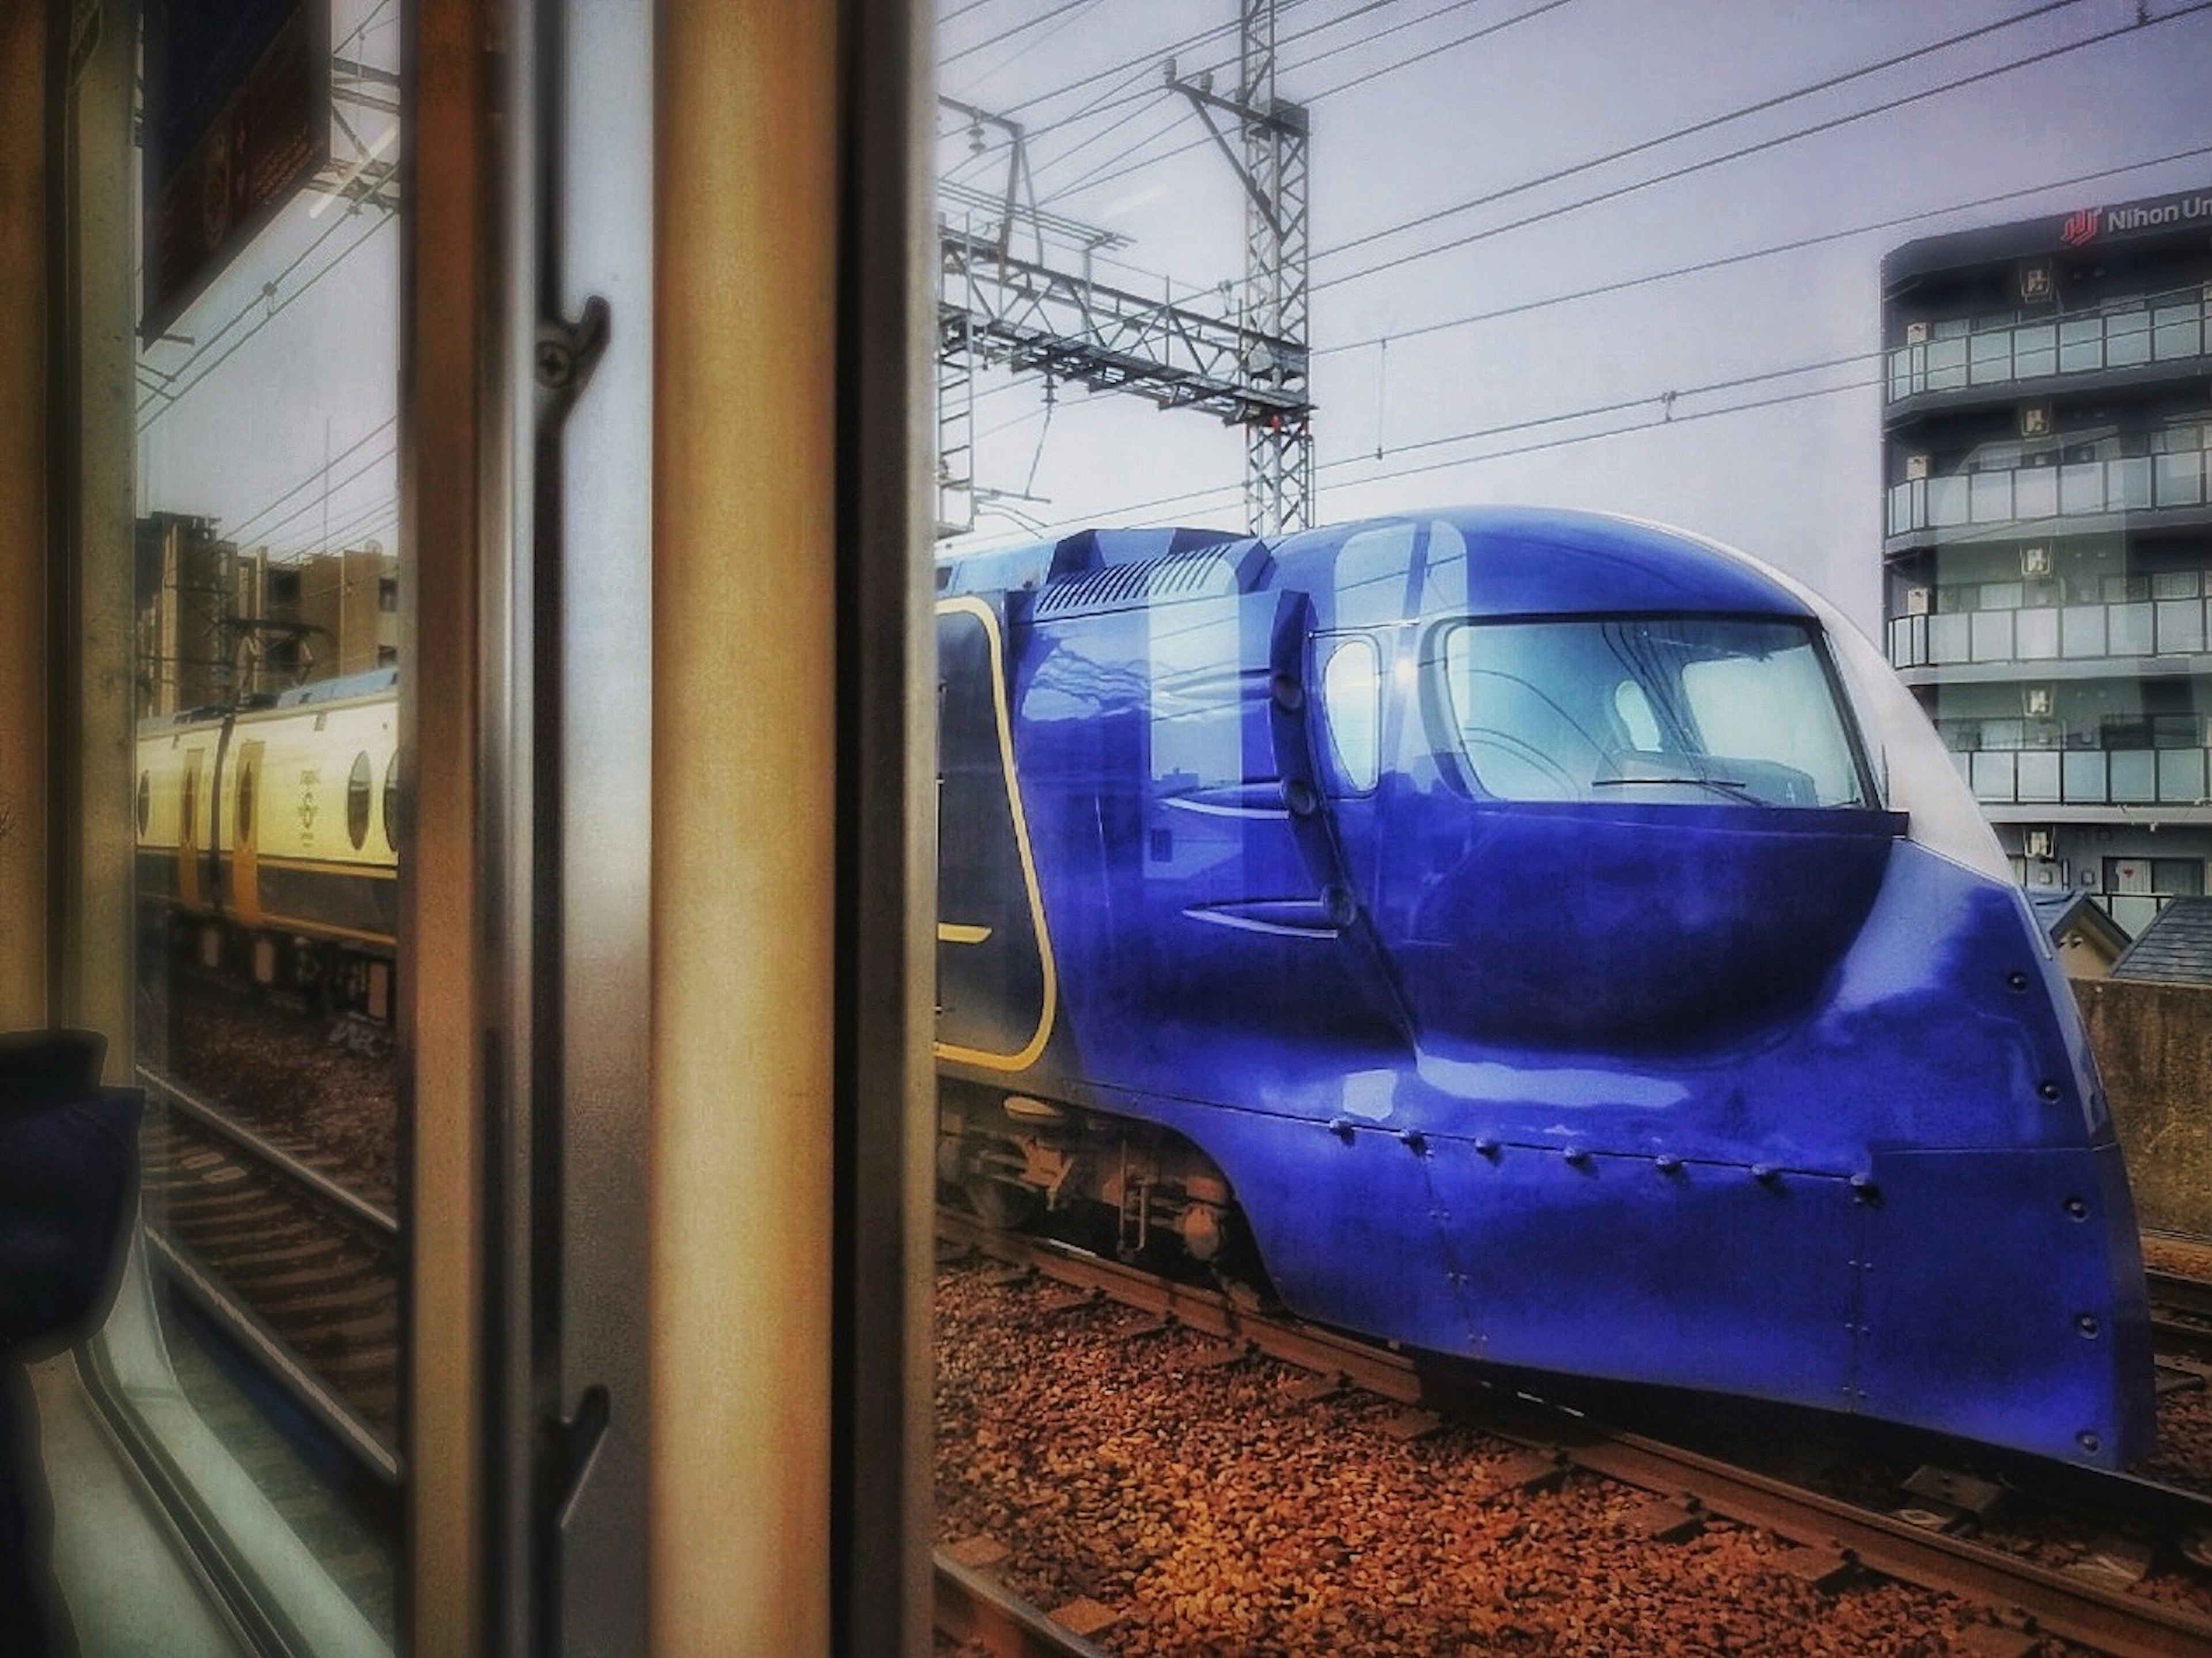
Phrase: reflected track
[2069,1605]
[297,1269]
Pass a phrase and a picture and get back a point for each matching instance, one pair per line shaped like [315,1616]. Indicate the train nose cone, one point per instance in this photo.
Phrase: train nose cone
[1649,928]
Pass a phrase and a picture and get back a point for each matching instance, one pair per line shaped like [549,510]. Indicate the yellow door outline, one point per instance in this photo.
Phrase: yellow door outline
[246,838]
[958,932]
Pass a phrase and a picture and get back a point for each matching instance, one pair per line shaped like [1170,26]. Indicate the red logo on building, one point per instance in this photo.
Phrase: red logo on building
[2080,225]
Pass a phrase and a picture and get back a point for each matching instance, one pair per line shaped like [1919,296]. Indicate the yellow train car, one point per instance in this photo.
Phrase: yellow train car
[269,834]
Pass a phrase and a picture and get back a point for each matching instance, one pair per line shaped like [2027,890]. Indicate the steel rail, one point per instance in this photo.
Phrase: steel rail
[2180,1314]
[973,1607]
[280,1360]
[2112,1621]
[176,1096]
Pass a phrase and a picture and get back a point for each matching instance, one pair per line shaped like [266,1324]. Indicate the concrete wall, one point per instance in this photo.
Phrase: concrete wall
[2154,1045]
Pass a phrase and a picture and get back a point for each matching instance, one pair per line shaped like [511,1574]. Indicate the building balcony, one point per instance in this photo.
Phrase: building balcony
[2172,480]
[2036,639]
[2088,785]
[2174,330]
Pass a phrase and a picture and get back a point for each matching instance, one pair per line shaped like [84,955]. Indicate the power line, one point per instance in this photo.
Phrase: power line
[239,531]
[1022,28]
[1504,23]
[1724,260]
[275,308]
[1706,125]
[1663,418]
[1752,149]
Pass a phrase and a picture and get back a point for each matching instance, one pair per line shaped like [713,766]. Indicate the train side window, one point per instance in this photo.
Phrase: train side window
[392,801]
[145,799]
[1352,709]
[245,813]
[357,801]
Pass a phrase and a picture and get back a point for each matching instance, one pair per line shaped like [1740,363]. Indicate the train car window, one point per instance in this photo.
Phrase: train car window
[265,1379]
[357,801]
[1650,708]
[391,812]
[1351,705]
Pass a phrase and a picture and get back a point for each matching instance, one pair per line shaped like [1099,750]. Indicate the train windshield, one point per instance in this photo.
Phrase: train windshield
[1676,709]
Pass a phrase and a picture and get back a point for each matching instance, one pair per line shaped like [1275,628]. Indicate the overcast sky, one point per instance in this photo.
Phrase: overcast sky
[1418,108]
[1418,112]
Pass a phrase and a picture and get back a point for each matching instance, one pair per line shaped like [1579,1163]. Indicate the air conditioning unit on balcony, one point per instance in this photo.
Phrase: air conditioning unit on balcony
[2036,701]
[2035,559]
[1918,601]
[1916,468]
[1916,333]
[2035,420]
[2039,842]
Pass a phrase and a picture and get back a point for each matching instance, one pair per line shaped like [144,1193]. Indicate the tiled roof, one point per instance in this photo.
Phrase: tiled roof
[2057,912]
[2176,948]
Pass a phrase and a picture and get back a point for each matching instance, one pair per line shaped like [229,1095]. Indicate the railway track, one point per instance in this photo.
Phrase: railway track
[2181,1314]
[1847,1537]
[288,1263]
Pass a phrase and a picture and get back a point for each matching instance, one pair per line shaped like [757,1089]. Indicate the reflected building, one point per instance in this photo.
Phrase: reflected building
[2048,539]
[217,622]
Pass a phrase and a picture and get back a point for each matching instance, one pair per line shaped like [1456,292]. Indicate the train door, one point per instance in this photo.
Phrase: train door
[190,895]
[245,839]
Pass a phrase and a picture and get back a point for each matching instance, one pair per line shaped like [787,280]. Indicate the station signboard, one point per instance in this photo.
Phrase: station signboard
[237,118]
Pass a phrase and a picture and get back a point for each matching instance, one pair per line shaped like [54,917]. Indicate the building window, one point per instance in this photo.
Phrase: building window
[388,594]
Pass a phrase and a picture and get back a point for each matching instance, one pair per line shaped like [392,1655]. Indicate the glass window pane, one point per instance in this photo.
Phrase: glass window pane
[2181,774]
[2127,339]
[2084,630]
[2129,480]
[1950,638]
[1947,501]
[1992,497]
[2037,633]
[1946,364]
[2035,351]
[2176,331]
[269,576]
[2035,492]
[2038,775]
[2180,626]
[1993,775]
[2084,777]
[2134,775]
[2081,487]
[1993,637]
[2080,344]
[2178,479]
[2127,631]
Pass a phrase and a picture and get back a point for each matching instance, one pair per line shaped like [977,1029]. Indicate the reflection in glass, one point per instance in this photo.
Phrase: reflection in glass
[268,650]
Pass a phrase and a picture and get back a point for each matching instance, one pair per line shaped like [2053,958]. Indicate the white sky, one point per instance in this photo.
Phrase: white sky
[277,375]
[1798,482]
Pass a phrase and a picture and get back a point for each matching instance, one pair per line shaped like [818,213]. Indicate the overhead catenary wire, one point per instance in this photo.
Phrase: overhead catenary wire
[1722,261]
[1826,84]
[1663,416]
[1673,174]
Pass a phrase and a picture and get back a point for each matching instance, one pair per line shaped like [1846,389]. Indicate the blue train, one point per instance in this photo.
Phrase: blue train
[1533,936]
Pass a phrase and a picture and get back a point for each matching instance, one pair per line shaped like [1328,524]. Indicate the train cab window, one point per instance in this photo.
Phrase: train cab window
[1655,709]
[1351,708]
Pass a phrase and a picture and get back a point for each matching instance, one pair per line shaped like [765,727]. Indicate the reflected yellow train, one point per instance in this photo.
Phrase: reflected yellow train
[268,836]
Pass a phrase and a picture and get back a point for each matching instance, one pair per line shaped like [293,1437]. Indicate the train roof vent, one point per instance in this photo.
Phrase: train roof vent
[1211,573]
